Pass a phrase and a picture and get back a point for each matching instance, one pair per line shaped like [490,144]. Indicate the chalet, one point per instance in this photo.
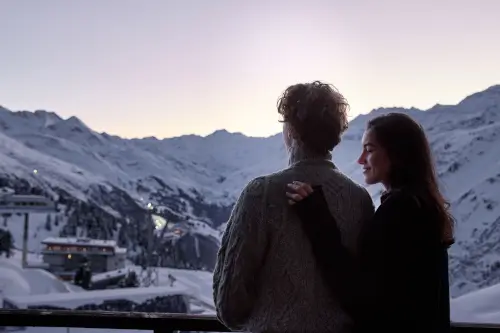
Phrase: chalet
[64,255]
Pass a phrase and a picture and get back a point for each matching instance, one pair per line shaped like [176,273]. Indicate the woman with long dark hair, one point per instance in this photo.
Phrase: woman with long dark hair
[399,282]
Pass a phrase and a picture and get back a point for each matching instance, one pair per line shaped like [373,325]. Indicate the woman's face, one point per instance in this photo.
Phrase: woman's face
[374,160]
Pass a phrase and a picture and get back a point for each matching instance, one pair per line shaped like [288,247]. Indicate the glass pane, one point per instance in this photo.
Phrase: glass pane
[165,110]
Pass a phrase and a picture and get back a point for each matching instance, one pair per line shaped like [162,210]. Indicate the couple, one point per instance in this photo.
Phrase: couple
[303,249]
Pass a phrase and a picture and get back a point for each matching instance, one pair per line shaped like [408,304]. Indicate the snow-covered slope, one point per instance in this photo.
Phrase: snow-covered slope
[479,306]
[105,182]
[18,281]
[28,287]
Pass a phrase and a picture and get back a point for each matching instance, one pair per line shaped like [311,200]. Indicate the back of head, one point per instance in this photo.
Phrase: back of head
[316,113]
[411,163]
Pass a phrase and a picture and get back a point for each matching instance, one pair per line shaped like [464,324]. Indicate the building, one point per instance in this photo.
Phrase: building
[64,255]
[19,203]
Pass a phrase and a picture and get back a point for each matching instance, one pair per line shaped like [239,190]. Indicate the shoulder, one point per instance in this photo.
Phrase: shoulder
[360,191]
[400,197]
[353,188]
[397,206]
[407,214]
[352,191]
[399,200]
[254,188]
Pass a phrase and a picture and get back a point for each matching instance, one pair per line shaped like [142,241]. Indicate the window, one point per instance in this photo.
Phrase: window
[158,115]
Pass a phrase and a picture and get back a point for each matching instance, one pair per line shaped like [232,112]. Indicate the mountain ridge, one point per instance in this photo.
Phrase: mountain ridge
[105,182]
[493,89]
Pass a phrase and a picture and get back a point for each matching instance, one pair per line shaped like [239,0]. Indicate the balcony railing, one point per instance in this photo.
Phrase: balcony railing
[158,323]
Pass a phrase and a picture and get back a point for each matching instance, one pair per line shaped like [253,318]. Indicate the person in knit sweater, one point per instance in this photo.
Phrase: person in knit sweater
[266,278]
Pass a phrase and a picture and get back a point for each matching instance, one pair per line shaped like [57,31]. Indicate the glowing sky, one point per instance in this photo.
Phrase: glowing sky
[172,67]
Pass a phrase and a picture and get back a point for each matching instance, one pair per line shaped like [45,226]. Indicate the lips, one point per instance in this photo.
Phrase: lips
[365,170]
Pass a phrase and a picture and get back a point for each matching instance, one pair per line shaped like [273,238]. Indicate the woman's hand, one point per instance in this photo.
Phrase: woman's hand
[298,191]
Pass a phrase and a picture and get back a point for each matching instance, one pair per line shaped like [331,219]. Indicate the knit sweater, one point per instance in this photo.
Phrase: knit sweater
[266,278]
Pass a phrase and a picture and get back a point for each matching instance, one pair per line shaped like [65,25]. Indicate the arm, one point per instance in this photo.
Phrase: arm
[240,257]
[335,261]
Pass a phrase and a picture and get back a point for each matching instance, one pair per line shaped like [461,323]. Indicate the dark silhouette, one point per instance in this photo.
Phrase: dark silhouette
[266,278]
[83,275]
[6,243]
[171,279]
[129,281]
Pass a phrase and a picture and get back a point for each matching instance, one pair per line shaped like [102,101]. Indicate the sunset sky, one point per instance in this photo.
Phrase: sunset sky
[140,68]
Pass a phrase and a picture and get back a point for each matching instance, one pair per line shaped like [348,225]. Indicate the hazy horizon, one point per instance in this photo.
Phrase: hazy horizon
[278,132]
[167,68]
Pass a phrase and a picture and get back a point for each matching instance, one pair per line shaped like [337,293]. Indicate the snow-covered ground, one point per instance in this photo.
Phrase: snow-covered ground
[35,286]
[28,287]
[16,281]
[481,306]
[31,286]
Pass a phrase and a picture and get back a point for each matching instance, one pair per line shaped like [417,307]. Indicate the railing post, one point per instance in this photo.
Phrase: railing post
[25,241]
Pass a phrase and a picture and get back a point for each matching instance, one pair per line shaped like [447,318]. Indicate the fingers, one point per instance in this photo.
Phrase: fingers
[295,196]
[298,191]
[305,186]
[301,188]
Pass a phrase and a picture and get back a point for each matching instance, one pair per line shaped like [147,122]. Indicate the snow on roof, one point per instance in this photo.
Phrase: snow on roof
[120,250]
[79,241]
[110,274]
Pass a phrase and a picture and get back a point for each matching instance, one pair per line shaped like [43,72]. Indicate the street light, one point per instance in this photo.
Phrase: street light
[26,204]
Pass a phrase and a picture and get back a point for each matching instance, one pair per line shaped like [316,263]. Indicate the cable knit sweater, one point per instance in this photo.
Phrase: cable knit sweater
[266,278]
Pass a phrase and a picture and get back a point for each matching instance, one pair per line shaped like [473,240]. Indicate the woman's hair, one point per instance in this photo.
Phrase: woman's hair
[411,162]
[317,113]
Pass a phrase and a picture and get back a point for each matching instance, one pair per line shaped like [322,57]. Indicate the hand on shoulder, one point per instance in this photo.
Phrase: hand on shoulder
[298,191]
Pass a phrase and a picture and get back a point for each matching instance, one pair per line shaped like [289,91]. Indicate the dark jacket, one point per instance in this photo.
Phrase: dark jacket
[398,282]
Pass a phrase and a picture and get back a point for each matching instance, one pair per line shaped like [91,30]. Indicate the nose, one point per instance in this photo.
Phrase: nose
[362,158]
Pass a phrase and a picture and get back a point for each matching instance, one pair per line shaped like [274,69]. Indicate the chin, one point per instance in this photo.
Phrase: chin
[370,181]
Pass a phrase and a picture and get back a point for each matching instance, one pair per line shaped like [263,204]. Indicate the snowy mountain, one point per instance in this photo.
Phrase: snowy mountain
[104,183]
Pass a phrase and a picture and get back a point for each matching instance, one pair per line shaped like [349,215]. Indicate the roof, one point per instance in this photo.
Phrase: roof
[120,250]
[79,241]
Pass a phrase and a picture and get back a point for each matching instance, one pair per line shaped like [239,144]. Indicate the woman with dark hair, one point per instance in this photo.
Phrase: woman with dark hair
[399,279]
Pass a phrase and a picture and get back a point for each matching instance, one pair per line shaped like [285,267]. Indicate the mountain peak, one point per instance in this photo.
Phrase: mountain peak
[75,121]
[220,132]
[71,125]
[224,133]
[491,94]
[48,117]
[398,109]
